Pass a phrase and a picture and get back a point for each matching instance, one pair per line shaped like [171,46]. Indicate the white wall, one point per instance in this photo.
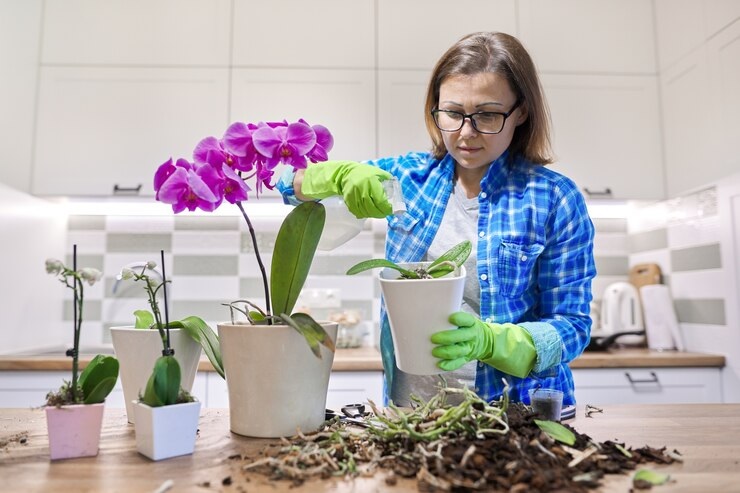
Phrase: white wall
[30,299]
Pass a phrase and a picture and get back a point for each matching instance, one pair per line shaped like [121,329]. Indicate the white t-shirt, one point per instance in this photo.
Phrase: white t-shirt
[460,222]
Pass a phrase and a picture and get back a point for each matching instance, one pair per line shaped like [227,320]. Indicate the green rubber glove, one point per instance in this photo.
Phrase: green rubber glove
[359,184]
[506,347]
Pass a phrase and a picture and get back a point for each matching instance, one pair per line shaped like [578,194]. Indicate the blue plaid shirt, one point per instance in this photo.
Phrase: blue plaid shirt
[534,259]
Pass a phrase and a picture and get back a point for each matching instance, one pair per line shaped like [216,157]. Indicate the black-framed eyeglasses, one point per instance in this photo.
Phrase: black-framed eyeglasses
[485,122]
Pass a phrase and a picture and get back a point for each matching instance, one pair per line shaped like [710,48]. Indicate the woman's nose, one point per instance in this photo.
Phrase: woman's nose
[468,128]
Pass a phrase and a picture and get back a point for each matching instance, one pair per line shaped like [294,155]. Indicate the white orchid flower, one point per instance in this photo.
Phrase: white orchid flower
[91,275]
[54,266]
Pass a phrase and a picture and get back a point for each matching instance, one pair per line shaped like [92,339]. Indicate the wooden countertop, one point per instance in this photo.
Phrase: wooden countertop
[355,359]
[707,435]
[368,359]
[646,358]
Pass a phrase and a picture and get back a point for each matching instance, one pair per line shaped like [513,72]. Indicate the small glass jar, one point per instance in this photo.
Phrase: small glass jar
[351,331]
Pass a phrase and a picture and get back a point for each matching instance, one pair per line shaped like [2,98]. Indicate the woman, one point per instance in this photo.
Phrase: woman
[527,295]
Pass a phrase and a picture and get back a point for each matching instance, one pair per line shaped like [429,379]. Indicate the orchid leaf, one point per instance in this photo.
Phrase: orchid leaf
[457,254]
[98,378]
[202,333]
[442,269]
[311,330]
[380,262]
[650,477]
[295,247]
[163,386]
[556,431]
[144,319]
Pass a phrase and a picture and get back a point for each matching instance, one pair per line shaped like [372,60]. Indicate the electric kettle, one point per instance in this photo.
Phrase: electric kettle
[621,312]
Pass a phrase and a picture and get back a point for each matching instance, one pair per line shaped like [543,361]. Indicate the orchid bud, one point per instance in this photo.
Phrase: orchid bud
[91,275]
[151,265]
[54,266]
[125,274]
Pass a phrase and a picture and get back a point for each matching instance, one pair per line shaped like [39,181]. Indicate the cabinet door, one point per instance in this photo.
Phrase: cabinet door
[341,100]
[401,126]
[583,36]
[647,385]
[320,33]
[413,34]
[354,387]
[20,28]
[689,124]
[345,387]
[137,32]
[723,52]
[101,127]
[607,133]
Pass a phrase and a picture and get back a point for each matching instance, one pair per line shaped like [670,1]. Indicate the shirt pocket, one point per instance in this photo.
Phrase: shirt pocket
[516,267]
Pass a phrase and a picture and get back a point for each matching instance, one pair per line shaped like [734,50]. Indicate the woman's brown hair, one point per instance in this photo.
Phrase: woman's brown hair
[504,55]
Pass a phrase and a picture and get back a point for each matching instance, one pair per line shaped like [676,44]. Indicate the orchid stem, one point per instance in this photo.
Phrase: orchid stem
[259,261]
[77,320]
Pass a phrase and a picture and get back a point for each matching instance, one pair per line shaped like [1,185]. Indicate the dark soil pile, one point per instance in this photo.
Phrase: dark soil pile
[508,454]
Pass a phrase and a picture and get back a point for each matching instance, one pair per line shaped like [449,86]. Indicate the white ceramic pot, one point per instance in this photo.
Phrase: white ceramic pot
[416,309]
[74,431]
[138,349]
[276,384]
[166,431]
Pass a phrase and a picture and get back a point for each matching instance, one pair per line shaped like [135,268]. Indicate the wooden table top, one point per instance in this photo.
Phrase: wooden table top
[707,435]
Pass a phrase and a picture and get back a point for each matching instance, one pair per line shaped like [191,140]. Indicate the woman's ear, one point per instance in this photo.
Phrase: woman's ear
[523,115]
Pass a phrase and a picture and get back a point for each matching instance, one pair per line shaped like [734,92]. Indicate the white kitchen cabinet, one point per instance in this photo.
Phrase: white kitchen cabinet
[341,100]
[345,387]
[701,113]
[316,34]
[607,133]
[401,127]
[413,34]
[29,388]
[20,31]
[137,32]
[102,127]
[587,37]
[647,385]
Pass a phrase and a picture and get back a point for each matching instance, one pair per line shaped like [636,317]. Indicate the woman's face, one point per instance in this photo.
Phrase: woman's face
[471,94]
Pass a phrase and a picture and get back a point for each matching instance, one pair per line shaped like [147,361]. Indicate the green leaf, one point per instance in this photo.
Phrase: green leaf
[313,332]
[457,254]
[202,333]
[295,247]
[557,431]
[440,270]
[380,262]
[98,378]
[144,319]
[626,452]
[651,477]
[164,383]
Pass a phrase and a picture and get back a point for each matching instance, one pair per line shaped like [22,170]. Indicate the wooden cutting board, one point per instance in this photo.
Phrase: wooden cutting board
[644,274]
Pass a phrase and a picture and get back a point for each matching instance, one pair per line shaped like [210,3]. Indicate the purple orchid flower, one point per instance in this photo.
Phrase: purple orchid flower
[287,144]
[237,141]
[234,188]
[182,187]
[324,144]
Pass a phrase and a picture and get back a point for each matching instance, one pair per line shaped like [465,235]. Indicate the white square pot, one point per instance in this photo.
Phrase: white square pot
[166,431]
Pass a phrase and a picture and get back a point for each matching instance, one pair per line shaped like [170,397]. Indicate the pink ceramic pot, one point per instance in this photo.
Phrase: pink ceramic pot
[74,431]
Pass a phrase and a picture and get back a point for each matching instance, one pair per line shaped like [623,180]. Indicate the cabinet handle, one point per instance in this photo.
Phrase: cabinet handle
[607,192]
[653,378]
[119,190]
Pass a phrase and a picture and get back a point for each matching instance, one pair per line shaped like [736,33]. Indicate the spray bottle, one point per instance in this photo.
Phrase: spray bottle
[341,225]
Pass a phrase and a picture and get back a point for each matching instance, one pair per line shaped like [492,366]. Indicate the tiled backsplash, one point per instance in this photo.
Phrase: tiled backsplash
[211,261]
